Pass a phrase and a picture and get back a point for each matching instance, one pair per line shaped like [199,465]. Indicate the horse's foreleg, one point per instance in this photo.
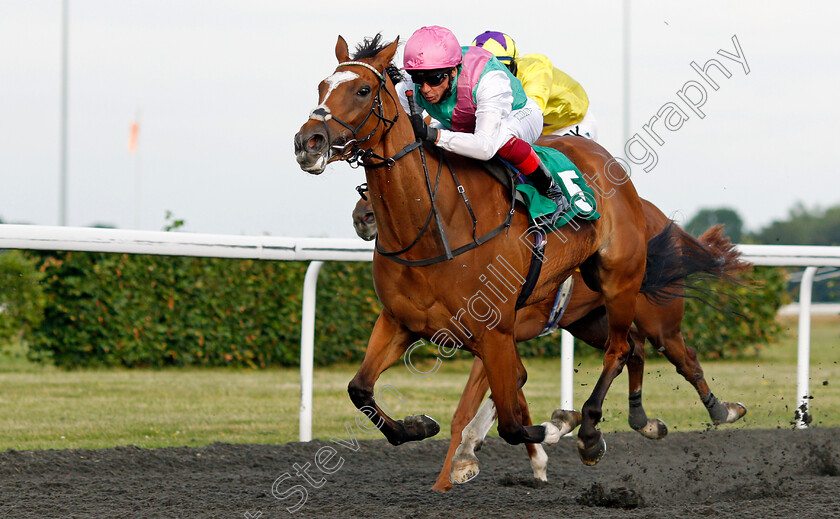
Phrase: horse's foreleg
[388,342]
[654,429]
[471,399]
[507,375]
[685,360]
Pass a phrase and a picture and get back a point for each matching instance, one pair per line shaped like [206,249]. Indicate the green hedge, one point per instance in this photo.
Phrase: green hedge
[750,320]
[21,297]
[112,309]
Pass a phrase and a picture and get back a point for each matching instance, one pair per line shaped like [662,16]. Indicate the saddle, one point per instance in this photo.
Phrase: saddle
[565,174]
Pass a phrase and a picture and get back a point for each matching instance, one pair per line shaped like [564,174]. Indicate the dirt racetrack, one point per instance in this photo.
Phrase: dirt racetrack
[731,473]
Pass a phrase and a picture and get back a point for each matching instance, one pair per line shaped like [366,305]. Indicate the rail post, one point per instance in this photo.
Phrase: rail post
[307,348]
[803,357]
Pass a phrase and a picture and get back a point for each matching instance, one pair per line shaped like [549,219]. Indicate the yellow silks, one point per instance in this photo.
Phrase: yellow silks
[561,99]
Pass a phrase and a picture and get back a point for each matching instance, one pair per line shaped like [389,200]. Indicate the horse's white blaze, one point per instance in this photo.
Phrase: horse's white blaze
[336,79]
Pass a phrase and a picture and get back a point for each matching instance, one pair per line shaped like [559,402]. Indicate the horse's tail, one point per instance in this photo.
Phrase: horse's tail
[673,255]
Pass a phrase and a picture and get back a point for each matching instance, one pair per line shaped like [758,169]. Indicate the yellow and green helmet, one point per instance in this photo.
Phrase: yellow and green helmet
[501,45]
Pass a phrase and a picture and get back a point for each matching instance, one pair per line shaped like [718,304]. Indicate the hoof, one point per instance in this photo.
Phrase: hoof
[562,423]
[735,412]
[420,427]
[464,466]
[539,462]
[594,454]
[654,429]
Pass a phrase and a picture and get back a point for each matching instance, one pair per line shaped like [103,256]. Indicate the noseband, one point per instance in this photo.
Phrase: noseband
[350,151]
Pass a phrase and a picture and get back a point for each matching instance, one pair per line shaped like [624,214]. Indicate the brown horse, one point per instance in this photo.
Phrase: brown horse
[661,324]
[359,119]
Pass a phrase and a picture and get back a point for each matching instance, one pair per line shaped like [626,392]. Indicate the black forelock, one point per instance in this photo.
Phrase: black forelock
[370,47]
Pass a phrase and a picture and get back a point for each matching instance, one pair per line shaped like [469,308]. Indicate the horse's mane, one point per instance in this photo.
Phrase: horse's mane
[370,47]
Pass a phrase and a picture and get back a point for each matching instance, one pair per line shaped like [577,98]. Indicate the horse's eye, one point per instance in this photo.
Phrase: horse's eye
[364,91]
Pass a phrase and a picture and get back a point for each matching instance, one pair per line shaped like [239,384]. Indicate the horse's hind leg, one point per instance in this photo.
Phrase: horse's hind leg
[464,461]
[685,360]
[461,464]
[654,429]
[471,399]
[592,329]
[663,326]
[387,343]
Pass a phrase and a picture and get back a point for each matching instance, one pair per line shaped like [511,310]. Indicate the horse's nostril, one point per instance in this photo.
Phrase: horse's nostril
[316,142]
[313,143]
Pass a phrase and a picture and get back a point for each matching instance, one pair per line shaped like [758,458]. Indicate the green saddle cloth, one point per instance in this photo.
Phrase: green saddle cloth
[568,177]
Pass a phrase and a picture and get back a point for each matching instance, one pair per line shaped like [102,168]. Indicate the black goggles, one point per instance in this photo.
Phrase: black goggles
[433,79]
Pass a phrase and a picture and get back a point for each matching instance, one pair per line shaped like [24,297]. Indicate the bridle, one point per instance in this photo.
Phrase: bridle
[351,153]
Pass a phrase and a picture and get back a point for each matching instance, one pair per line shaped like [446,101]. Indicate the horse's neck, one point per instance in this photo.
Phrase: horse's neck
[400,196]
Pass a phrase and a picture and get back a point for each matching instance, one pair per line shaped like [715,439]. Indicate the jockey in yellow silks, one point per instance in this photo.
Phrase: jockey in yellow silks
[563,101]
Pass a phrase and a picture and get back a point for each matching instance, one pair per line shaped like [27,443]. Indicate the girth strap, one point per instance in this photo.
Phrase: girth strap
[534,270]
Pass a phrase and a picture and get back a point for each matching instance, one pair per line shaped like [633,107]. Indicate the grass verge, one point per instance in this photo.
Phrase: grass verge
[42,407]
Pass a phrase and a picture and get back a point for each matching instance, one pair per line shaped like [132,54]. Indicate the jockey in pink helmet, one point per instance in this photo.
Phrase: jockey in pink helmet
[480,107]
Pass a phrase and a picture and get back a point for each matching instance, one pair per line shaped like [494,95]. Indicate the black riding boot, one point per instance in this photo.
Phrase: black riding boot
[545,184]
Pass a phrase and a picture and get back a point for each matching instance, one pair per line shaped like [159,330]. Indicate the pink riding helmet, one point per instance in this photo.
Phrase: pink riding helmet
[431,48]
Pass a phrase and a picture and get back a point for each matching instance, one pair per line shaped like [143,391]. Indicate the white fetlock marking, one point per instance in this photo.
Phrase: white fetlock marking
[539,461]
[477,429]
[552,433]
[464,461]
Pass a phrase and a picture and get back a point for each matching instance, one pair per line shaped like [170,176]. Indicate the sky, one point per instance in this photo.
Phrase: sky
[219,89]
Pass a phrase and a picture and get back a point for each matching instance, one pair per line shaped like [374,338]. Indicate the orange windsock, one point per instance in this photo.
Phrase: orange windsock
[133,135]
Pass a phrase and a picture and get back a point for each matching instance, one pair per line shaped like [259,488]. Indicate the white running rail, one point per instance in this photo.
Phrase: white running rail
[318,250]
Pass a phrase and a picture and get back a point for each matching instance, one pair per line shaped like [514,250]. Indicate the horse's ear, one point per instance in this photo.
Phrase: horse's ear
[341,51]
[387,54]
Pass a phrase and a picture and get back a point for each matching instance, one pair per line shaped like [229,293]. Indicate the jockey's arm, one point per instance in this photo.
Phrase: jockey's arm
[494,99]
